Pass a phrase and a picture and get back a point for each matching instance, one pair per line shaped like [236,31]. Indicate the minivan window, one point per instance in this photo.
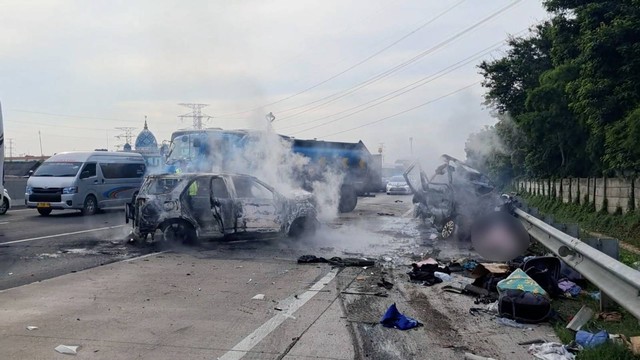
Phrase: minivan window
[88,171]
[122,171]
[62,169]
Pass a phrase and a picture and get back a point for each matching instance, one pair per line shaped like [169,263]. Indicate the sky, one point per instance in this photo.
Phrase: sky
[378,71]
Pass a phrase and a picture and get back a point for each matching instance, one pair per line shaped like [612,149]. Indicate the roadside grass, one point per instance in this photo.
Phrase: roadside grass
[628,326]
[625,227]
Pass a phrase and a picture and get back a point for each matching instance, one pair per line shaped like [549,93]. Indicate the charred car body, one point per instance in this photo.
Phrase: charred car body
[453,197]
[186,207]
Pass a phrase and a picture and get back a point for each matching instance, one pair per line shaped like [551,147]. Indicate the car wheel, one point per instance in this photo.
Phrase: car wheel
[303,227]
[4,207]
[180,232]
[90,206]
[448,229]
[44,212]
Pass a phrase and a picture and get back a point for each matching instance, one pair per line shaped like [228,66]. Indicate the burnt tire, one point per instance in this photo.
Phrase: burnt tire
[90,206]
[348,199]
[179,232]
[454,228]
[303,227]
[44,212]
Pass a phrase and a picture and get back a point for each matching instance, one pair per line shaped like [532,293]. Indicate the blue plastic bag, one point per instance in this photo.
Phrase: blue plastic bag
[394,319]
[589,340]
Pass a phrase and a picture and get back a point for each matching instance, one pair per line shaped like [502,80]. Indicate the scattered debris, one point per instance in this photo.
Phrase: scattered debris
[10,273]
[569,287]
[361,278]
[336,261]
[429,261]
[611,316]
[400,201]
[635,345]
[580,318]
[67,349]
[589,341]
[425,271]
[379,293]
[394,319]
[531,342]
[31,328]
[595,295]
[249,281]
[512,323]
[523,299]
[442,276]
[277,308]
[550,351]
[470,356]
[385,284]
[385,214]
[258,297]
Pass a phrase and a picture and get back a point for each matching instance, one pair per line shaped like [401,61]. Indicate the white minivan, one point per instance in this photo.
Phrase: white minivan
[86,181]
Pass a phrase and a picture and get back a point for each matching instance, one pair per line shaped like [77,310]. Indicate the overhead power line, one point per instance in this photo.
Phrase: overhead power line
[404,111]
[405,89]
[422,26]
[340,94]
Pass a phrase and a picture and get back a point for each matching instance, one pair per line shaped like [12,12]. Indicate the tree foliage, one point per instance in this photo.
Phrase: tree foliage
[572,90]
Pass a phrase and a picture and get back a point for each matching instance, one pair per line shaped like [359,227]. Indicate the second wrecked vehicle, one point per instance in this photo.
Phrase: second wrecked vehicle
[454,195]
[186,207]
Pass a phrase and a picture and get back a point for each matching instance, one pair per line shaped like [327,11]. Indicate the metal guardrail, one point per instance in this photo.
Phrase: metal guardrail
[615,279]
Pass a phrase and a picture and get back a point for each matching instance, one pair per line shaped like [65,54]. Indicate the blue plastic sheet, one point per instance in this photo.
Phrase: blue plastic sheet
[589,340]
[394,319]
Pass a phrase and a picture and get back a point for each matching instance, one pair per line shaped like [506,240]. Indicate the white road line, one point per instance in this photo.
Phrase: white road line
[4,223]
[145,256]
[248,343]
[59,235]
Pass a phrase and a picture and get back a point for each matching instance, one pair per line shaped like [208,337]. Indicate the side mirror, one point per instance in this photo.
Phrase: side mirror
[30,173]
[196,143]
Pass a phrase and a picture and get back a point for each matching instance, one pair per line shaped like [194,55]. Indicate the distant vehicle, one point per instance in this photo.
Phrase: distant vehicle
[397,185]
[86,181]
[6,203]
[453,197]
[187,207]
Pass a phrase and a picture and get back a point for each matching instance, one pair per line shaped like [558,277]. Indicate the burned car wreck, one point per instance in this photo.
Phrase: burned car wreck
[186,207]
[452,197]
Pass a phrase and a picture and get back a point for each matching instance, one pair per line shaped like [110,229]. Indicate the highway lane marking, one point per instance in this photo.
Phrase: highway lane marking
[145,256]
[4,223]
[248,343]
[65,234]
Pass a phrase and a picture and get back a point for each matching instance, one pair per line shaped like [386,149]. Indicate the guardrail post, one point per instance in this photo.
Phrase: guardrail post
[610,247]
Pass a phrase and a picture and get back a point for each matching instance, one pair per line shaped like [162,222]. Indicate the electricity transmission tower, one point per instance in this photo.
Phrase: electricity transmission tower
[196,114]
[127,135]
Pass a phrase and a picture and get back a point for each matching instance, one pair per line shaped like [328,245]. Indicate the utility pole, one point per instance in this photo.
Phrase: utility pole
[10,149]
[40,137]
[195,114]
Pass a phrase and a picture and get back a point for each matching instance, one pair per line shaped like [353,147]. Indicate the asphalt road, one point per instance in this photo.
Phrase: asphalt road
[197,301]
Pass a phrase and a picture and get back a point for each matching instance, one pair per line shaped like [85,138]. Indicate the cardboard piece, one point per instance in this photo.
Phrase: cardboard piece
[580,318]
[490,268]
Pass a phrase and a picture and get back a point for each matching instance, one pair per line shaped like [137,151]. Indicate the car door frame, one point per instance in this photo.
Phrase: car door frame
[248,220]
[225,210]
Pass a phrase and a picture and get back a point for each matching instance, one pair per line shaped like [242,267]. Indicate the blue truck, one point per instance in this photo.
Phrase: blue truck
[202,150]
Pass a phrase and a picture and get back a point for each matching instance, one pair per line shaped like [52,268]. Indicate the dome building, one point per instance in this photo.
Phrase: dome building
[147,145]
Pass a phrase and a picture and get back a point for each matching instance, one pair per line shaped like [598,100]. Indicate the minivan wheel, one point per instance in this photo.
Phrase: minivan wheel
[4,206]
[44,212]
[90,206]
[180,232]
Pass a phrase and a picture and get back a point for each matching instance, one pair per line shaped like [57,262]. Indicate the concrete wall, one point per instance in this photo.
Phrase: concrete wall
[575,184]
[16,187]
[618,194]
[566,183]
[617,191]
